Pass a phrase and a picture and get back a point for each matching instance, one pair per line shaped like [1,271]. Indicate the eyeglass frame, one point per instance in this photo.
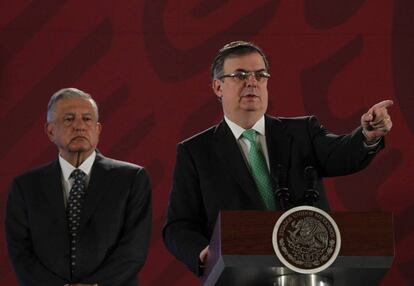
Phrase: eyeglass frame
[235,75]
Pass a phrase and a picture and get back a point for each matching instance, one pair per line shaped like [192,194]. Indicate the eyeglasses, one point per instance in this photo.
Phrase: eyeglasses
[260,76]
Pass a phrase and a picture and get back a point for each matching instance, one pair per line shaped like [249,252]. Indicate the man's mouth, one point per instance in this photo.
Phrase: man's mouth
[249,95]
[78,138]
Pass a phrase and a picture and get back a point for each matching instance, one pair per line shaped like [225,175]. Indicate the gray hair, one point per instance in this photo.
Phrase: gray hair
[231,50]
[68,93]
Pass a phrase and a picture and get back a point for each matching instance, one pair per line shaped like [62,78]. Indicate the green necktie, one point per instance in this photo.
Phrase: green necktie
[259,170]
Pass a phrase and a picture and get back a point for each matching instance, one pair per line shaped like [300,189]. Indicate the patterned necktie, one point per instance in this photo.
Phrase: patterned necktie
[259,170]
[73,212]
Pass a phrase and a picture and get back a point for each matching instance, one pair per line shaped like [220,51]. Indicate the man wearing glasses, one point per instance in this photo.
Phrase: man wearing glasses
[244,161]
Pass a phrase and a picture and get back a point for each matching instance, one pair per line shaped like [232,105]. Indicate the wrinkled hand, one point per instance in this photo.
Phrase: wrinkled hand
[376,122]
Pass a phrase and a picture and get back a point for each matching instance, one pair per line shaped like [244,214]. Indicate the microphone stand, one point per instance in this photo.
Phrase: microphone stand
[281,192]
[311,195]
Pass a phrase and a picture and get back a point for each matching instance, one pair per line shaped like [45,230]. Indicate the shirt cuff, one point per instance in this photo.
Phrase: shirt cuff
[370,145]
[373,145]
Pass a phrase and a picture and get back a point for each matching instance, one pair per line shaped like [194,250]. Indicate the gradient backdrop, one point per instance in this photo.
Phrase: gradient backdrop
[147,64]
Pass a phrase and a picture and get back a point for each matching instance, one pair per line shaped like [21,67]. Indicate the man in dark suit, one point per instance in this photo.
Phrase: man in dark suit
[83,219]
[238,164]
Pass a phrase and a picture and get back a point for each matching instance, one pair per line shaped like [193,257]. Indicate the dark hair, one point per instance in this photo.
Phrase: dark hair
[234,49]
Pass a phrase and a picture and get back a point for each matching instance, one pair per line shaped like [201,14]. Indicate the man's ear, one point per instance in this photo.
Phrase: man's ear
[216,85]
[99,127]
[50,131]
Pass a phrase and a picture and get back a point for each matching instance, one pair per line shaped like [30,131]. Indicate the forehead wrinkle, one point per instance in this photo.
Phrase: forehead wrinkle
[82,114]
[243,62]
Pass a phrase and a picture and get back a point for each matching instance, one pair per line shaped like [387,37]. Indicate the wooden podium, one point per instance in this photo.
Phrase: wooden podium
[241,250]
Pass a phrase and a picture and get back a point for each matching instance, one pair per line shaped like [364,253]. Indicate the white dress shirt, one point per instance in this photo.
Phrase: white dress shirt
[67,169]
[244,144]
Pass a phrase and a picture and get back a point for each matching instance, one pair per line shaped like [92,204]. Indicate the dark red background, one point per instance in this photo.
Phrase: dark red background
[147,65]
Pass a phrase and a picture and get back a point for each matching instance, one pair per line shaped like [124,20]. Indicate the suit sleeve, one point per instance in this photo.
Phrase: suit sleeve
[339,155]
[130,253]
[29,270]
[183,233]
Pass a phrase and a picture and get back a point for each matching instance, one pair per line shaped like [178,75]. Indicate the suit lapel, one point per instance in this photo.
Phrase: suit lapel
[278,144]
[53,193]
[229,151]
[98,183]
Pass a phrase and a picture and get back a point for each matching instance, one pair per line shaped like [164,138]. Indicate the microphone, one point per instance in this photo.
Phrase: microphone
[311,195]
[281,190]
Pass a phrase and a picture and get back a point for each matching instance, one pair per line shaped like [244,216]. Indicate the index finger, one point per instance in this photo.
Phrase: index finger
[384,103]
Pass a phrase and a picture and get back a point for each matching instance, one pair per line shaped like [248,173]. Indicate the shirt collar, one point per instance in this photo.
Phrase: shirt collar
[67,168]
[237,130]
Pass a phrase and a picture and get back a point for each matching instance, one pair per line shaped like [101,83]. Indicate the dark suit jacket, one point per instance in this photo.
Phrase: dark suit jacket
[211,175]
[114,231]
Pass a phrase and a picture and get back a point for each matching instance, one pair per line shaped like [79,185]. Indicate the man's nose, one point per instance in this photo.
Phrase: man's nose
[79,124]
[251,79]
